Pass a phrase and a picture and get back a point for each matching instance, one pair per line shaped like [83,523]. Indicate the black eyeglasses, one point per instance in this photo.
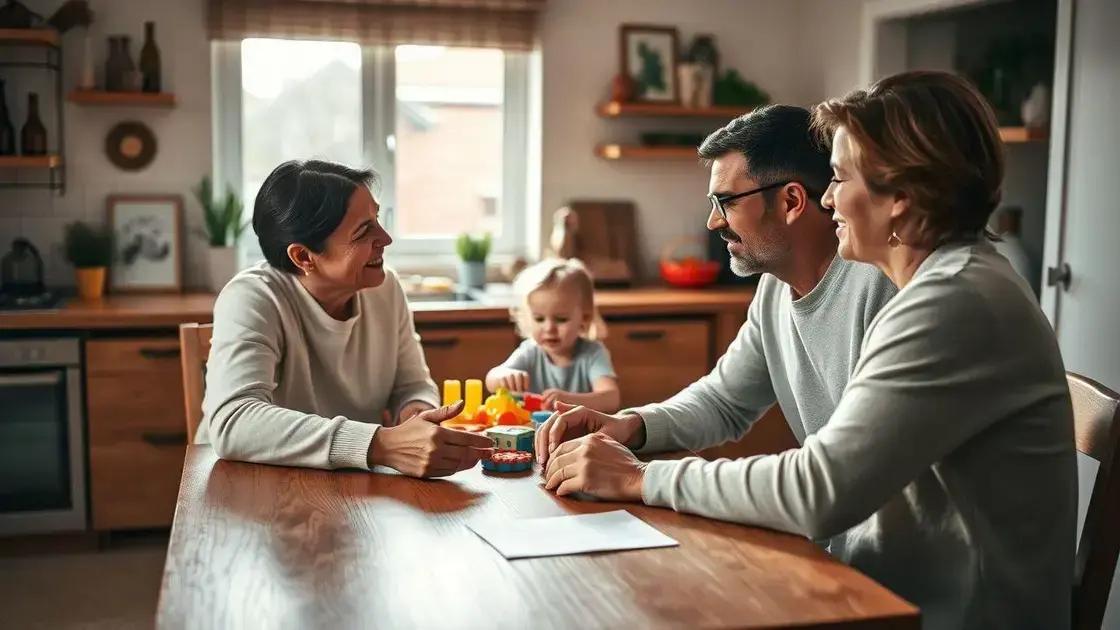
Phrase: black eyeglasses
[717,201]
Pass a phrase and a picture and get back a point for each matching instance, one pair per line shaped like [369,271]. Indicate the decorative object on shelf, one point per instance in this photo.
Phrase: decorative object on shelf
[704,57]
[1036,107]
[149,60]
[88,79]
[147,242]
[696,84]
[665,139]
[600,234]
[1010,243]
[472,261]
[90,250]
[130,145]
[690,272]
[7,130]
[16,15]
[33,136]
[72,13]
[1009,70]
[21,270]
[119,67]
[224,226]
[733,89]
[622,88]
[649,57]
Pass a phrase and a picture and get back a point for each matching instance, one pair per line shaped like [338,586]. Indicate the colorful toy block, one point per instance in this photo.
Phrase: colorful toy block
[501,408]
[508,461]
[512,438]
[539,417]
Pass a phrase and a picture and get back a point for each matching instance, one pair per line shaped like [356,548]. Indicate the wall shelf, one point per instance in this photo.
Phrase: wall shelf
[1022,134]
[638,152]
[30,161]
[615,109]
[122,99]
[29,37]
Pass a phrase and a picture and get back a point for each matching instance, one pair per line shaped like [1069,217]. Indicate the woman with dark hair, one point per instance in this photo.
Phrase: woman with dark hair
[313,345]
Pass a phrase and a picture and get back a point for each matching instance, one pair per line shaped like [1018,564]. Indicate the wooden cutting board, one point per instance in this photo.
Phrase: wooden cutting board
[605,240]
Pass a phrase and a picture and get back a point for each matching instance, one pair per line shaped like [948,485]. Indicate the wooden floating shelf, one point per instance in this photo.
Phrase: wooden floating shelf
[615,109]
[122,99]
[637,152]
[1022,134]
[29,36]
[30,161]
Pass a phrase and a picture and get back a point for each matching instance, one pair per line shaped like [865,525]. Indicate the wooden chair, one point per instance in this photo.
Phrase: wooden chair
[194,346]
[1096,416]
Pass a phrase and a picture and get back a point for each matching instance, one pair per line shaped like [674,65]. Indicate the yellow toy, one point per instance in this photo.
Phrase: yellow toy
[500,408]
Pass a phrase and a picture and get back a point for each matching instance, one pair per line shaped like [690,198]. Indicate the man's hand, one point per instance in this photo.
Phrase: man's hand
[569,423]
[411,409]
[598,465]
[419,447]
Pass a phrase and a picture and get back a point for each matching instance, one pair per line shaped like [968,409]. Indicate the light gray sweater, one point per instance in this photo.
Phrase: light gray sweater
[288,384]
[946,471]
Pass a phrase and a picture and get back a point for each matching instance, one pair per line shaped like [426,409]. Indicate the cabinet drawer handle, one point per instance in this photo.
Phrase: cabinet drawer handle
[447,342]
[645,335]
[164,438]
[159,353]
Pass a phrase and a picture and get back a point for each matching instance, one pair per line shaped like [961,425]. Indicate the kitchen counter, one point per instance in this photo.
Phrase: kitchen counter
[170,310]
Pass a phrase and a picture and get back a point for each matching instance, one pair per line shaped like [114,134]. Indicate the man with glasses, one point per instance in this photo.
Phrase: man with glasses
[798,347]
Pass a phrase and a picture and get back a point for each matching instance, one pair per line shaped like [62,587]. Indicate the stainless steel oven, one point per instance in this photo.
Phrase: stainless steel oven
[42,449]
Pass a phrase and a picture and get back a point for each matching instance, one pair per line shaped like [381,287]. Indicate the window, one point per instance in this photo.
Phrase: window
[443,126]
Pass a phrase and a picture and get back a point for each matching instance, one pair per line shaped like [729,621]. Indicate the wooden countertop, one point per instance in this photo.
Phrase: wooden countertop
[274,546]
[170,310]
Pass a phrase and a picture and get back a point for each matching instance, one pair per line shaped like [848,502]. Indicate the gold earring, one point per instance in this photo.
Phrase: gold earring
[893,240]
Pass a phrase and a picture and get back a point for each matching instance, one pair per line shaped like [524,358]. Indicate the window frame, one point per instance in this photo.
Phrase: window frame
[378,122]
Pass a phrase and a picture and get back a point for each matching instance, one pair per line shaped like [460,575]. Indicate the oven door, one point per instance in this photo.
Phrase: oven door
[42,471]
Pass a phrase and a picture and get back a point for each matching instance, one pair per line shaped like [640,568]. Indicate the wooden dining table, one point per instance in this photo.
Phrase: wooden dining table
[256,546]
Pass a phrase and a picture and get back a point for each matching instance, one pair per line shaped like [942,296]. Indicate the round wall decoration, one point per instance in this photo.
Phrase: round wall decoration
[130,146]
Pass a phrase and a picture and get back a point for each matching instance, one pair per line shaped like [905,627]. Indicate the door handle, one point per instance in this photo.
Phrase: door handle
[1060,275]
[446,342]
[159,353]
[164,438]
[645,335]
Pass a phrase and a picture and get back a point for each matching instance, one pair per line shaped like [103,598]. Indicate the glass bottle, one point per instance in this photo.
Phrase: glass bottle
[7,130]
[149,60]
[33,137]
[114,65]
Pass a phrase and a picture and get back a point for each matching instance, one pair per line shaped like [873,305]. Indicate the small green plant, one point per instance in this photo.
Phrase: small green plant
[87,246]
[473,249]
[222,216]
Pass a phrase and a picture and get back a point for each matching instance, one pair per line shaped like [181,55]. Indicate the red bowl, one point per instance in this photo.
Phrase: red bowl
[692,274]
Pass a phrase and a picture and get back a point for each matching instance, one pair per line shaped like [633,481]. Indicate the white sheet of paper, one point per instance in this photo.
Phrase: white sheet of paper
[567,535]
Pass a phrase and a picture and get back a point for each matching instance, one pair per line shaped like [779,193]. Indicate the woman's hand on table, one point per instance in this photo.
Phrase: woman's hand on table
[598,465]
[419,447]
[411,409]
[571,422]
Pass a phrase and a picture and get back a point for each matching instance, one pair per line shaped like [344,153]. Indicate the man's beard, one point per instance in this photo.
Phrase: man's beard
[758,257]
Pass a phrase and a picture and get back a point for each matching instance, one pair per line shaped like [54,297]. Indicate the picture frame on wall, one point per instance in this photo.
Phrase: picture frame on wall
[147,242]
[649,58]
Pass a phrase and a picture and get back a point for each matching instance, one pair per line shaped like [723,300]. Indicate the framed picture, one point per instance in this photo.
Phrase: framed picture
[649,58]
[147,241]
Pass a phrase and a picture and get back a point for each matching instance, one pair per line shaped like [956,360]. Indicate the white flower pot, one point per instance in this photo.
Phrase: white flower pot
[223,266]
[472,275]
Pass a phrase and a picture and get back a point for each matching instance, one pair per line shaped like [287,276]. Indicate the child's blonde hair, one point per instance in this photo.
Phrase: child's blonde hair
[550,273]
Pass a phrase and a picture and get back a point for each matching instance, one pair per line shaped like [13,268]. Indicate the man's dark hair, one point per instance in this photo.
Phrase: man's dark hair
[303,202]
[778,145]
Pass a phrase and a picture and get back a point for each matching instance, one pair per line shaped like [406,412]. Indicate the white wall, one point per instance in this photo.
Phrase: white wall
[182,134]
[580,56]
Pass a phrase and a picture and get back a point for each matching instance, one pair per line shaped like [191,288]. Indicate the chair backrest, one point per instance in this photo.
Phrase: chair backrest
[1096,417]
[194,346]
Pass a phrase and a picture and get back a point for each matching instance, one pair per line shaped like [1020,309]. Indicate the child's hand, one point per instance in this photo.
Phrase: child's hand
[552,396]
[515,380]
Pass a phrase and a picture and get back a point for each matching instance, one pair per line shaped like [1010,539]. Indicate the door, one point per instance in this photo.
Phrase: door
[1083,224]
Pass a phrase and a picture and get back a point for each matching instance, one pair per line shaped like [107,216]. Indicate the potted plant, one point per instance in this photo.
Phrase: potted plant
[90,250]
[472,257]
[223,228]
